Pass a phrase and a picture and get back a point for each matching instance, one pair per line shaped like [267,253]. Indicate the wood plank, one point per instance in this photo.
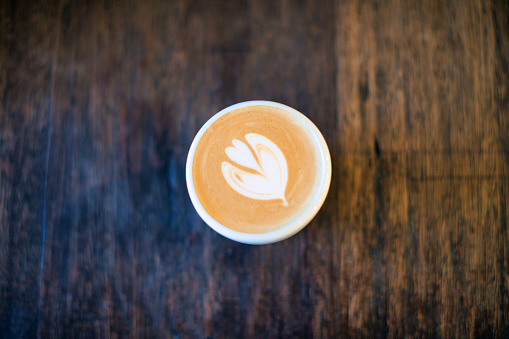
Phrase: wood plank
[26,68]
[126,253]
[423,149]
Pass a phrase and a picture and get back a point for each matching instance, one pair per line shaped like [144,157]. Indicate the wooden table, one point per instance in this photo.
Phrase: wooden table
[100,101]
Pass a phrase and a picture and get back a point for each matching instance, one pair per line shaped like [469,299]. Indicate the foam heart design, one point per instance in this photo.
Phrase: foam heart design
[266,160]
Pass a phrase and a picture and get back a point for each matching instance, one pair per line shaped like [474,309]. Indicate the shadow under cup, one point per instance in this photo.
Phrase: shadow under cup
[257,172]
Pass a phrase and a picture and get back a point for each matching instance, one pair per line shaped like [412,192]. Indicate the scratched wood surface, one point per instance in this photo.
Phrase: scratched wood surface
[101,100]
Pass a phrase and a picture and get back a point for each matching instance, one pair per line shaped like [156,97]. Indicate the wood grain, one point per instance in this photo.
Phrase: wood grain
[424,158]
[100,103]
[26,67]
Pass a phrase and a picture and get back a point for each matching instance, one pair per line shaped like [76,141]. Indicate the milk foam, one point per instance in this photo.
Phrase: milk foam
[256,169]
[269,163]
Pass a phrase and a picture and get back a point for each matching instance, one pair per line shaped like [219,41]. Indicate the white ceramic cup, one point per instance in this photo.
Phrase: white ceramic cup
[294,225]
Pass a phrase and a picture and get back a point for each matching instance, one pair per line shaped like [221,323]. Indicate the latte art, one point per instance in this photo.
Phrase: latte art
[270,169]
[257,168]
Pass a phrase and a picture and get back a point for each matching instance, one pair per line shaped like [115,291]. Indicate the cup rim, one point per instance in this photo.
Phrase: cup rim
[294,226]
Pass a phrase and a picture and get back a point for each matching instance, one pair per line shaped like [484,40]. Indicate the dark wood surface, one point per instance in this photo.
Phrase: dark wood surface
[100,101]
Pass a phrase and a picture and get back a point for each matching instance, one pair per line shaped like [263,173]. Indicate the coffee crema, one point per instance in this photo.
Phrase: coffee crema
[256,169]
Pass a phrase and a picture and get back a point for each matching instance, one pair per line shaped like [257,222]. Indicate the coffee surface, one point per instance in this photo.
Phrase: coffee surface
[256,169]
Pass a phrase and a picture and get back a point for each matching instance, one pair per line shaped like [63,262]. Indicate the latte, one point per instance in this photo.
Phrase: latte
[258,168]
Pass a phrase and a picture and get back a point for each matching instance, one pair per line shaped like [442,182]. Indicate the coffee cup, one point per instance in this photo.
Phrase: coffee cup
[258,172]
